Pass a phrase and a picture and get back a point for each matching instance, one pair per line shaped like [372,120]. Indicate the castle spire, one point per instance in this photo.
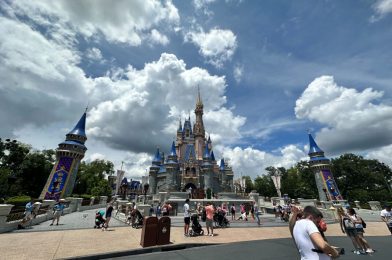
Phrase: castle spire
[199,103]
[80,127]
[173,150]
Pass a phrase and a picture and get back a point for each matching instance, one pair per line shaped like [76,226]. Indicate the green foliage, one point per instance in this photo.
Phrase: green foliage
[22,170]
[18,200]
[248,184]
[91,178]
[264,186]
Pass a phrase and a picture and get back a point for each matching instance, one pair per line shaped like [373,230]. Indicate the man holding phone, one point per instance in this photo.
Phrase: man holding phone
[307,237]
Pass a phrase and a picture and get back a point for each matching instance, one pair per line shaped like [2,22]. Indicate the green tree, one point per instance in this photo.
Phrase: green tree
[248,184]
[264,186]
[362,179]
[91,178]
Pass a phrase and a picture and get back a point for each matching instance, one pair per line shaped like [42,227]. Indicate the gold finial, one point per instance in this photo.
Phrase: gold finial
[199,102]
[87,107]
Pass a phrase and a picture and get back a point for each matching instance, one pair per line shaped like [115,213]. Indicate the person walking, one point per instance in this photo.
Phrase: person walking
[187,218]
[108,216]
[256,213]
[210,218]
[358,222]
[386,216]
[158,210]
[58,211]
[232,211]
[308,239]
[28,214]
[348,227]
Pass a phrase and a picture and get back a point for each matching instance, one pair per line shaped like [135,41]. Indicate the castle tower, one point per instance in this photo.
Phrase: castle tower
[207,169]
[198,128]
[62,178]
[172,170]
[156,163]
[326,185]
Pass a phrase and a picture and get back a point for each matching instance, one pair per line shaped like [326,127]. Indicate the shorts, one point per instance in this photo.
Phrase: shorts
[187,220]
[360,230]
[351,232]
[28,215]
[209,223]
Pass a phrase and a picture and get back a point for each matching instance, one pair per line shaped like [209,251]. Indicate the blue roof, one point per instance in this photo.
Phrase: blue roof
[212,156]
[206,153]
[321,158]
[124,180]
[209,140]
[313,147]
[73,143]
[80,127]
[157,158]
[180,127]
[190,152]
[162,169]
[134,184]
[222,164]
[187,125]
[173,150]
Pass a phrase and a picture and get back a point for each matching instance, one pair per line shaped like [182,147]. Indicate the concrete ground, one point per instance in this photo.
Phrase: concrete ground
[50,243]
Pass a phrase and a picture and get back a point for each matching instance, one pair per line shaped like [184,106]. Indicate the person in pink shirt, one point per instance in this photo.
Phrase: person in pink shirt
[210,219]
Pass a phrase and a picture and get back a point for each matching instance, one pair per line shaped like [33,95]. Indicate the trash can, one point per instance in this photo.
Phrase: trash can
[149,232]
[163,235]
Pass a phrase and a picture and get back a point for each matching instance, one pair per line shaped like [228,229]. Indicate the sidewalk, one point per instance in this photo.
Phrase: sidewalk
[71,243]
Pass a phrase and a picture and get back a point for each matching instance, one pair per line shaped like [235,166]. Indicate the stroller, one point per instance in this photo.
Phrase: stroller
[196,227]
[99,220]
[221,220]
[137,219]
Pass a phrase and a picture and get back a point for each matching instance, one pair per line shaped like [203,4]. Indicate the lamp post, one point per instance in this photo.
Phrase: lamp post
[276,179]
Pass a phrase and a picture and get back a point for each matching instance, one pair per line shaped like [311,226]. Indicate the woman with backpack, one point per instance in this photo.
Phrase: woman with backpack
[359,226]
[232,211]
[348,227]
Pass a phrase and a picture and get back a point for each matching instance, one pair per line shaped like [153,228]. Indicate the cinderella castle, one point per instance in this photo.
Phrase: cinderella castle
[191,164]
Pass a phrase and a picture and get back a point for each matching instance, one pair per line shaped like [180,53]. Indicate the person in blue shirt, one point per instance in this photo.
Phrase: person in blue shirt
[58,211]
[28,214]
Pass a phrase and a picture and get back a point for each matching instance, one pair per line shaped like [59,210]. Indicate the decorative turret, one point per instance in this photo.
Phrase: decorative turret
[62,178]
[326,185]
[172,179]
[207,169]
[154,169]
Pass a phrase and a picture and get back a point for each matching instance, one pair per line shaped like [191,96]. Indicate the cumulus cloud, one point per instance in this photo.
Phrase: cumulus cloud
[217,46]
[355,120]
[382,154]
[237,72]
[252,162]
[145,105]
[158,38]
[96,156]
[98,17]
[94,54]
[382,8]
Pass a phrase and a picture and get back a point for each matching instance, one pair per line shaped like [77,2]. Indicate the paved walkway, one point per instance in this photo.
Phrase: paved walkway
[71,243]
[75,220]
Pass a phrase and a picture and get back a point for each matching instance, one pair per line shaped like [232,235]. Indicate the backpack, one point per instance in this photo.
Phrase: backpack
[348,224]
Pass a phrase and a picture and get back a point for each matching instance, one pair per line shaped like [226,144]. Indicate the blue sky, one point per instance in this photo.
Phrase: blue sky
[267,71]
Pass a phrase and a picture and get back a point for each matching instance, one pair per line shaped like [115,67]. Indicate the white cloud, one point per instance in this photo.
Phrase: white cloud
[118,21]
[237,72]
[94,54]
[96,156]
[382,8]
[157,38]
[137,164]
[382,154]
[354,120]
[252,162]
[202,6]
[217,46]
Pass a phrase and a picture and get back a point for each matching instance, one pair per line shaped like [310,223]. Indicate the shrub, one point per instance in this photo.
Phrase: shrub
[18,200]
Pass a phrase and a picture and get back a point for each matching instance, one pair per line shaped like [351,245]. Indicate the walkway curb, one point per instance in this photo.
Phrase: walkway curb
[141,251]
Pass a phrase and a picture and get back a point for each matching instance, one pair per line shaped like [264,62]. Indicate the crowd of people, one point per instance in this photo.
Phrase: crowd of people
[307,229]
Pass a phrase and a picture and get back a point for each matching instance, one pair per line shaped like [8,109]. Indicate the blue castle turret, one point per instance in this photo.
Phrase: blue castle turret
[326,185]
[69,153]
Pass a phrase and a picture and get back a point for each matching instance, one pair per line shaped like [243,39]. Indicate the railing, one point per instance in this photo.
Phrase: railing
[86,202]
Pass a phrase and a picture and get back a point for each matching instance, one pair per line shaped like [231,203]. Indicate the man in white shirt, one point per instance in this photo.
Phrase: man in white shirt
[187,217]
[310,243]
[386,216]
